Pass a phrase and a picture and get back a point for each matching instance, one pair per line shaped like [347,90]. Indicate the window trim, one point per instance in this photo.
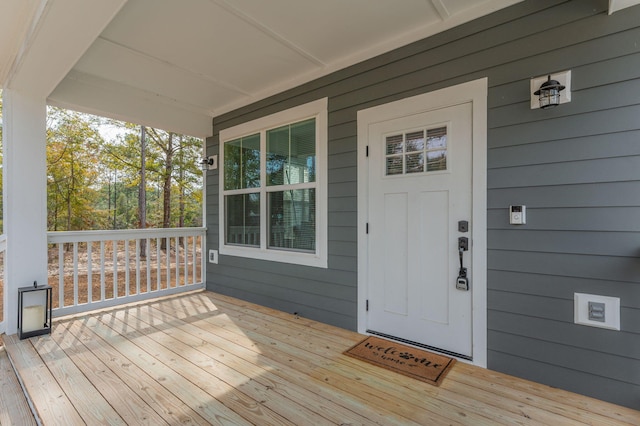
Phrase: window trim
[318,110]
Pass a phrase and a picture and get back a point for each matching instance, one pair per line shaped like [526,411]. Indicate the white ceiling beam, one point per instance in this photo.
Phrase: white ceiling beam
[59,35]
[269,32]
[616,5]
[106,98]
[181,68]
[441,8]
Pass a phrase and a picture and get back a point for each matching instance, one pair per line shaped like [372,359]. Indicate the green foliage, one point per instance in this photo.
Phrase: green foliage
[93,179]
[73,157]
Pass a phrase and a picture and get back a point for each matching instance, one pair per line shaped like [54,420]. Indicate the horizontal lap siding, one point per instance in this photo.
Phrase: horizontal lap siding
[576,167]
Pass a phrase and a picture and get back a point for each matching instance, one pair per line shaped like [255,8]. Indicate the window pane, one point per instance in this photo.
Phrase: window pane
[243,219]
[292,219]
[394,144]
[242,163]
[291,154]
[415,163]
[415,141]
[436,160]
[394,165]
[437,138]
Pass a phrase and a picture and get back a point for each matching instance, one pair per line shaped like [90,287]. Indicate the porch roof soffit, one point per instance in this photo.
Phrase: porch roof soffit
[46,40]
[176,65]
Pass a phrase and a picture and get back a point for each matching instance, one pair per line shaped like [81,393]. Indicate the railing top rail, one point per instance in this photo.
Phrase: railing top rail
[121,234]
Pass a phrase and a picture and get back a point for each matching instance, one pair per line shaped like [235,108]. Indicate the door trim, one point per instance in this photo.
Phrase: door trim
[475,92]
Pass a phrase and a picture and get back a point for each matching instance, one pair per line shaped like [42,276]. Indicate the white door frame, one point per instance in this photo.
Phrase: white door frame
[476,93]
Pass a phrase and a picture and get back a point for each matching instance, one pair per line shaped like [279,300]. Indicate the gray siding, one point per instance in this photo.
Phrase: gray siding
[576,167]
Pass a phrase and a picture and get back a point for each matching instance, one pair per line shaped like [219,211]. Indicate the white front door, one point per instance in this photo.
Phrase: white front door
[419,194]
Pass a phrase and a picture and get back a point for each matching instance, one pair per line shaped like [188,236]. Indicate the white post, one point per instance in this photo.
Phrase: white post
[24,197]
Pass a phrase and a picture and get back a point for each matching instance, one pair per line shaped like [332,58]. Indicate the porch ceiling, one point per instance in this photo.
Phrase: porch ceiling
[177,64]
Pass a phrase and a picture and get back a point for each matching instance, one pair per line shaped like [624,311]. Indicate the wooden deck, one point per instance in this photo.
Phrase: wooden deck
[14,409]
[202,358]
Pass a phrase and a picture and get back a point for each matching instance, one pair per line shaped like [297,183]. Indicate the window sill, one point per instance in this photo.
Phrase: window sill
[291,257]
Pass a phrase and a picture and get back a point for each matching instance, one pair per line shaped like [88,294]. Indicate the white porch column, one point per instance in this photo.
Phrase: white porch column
[24,197]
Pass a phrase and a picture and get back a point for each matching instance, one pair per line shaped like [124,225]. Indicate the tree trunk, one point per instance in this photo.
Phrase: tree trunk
[166,188]
[70,189]
[181,195]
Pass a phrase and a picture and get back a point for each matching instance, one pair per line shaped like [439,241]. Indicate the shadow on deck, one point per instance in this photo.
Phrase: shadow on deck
[203,358]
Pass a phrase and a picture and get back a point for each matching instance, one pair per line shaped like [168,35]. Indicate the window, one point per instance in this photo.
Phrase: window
[411,153]
[273,202]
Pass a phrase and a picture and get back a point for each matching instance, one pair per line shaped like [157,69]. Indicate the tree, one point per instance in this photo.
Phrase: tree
[117,181]
[164,142]
[73,155]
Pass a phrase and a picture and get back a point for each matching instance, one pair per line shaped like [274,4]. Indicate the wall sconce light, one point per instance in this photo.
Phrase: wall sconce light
[551,90]
[549,93]
[34,310]
[209,163]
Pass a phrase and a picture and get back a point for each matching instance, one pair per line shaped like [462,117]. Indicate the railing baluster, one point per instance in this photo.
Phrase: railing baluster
[103,284]
[203,258]
[158,269]
[177,261]
[89,271]
[168,259]
[61,275]
[75,273]
[126,268]
[185,256]
[137,266]
[194,240]
[114,246]
[148,258]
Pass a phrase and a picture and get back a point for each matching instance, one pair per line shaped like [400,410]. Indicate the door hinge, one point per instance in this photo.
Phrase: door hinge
[367,305]
[367,228]
[367,150]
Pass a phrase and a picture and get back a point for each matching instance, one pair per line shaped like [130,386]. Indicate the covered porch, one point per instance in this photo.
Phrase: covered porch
[204,358]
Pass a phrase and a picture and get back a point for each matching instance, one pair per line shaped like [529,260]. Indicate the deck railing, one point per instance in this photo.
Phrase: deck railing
[95,269]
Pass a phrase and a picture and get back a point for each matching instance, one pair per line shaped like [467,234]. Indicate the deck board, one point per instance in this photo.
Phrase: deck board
[203,358]
[14,408]
[51,403]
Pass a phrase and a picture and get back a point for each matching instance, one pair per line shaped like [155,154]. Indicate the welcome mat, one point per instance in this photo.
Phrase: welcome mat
[422,365]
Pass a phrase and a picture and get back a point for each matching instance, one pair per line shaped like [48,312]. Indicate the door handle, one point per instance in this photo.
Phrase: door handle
[462,282]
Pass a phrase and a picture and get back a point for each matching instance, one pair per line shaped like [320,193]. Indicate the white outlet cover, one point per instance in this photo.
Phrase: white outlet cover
[213,256]
[611,310]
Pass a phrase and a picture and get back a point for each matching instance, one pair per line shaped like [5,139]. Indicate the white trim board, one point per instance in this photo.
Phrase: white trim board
[476,93]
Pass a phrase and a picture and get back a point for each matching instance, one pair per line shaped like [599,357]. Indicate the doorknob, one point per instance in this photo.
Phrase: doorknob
[462,282]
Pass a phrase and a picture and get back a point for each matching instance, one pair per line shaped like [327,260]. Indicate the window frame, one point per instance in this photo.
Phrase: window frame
[315,109]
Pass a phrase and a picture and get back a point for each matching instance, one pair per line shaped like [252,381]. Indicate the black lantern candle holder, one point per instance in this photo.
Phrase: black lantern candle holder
[35,305]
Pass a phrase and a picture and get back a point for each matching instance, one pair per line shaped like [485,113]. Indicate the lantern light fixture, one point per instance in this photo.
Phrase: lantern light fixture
[549,93]
[550,90]
[209,163]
